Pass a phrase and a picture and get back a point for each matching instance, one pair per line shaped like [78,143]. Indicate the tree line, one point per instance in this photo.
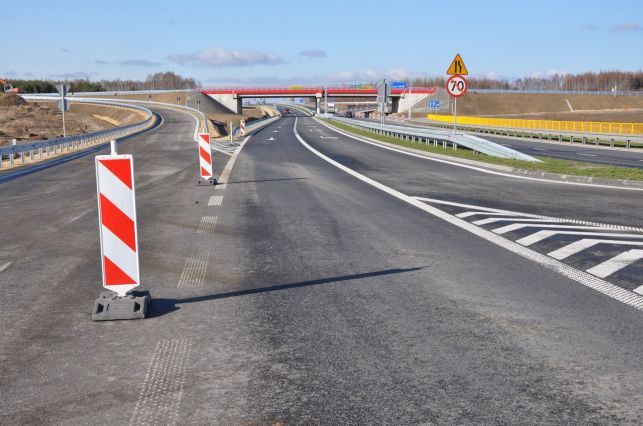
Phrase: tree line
[629,81]
[158,81]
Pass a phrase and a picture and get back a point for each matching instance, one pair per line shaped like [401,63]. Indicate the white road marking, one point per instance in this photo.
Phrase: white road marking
[513,219]
[271,139]
[328,137]
[208,223]
[511,213]
[580,277]
[586,155]
[221,186]
[160,397]
[215,200]
[585,243]
[275,131]
[539,149]
[616,263]
[194,271]
[516,226]
[505,144]
[469,214]
[541,235]
[5,266]
[480,169]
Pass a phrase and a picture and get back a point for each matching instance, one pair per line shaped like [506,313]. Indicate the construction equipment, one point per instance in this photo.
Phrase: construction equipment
[8,88]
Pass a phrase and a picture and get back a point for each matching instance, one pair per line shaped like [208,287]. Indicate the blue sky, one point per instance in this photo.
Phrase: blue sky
[257,42]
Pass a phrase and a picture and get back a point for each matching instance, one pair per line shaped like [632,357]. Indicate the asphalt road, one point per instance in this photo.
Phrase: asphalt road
[314,299]
[575,152]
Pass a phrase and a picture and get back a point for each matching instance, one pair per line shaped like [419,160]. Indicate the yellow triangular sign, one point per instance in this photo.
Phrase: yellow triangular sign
[457,66]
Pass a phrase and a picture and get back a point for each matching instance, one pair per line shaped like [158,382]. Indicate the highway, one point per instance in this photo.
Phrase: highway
[328,281]
[565,151]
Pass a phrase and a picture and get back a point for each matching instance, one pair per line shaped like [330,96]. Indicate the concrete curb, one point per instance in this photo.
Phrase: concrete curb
[554,177]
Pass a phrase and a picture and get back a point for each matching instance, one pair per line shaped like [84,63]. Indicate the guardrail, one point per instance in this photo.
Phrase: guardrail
[560,92]
[38,150]
[550,125]
[597,139]
[415,134]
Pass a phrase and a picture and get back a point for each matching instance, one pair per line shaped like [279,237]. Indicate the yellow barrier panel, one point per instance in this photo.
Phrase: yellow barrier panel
[568,126]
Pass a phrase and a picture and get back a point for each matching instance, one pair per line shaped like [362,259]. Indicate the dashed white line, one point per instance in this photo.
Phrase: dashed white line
[586,155]
[194,271]
[541,235]
[160,397]
[215,200]
[539,149]
[616,263]
[516,226]
[208,223]
[5,266]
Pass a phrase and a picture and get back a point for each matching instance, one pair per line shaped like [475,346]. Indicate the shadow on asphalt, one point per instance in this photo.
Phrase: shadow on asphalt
[161,306]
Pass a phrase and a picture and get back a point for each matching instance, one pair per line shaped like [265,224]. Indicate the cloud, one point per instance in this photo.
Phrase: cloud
[313,53]
[626,27]
[548,74]
[72,75]
[630,26]
[9,74]
[65,50]
[101,62]
[220,57]
[139,63]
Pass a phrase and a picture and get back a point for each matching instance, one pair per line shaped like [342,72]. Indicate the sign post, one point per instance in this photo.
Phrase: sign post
[457,84]
[118,240]
[63,103]
[383,93]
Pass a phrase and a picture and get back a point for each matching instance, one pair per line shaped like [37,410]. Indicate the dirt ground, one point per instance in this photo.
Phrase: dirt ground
[627,109]
[42,120]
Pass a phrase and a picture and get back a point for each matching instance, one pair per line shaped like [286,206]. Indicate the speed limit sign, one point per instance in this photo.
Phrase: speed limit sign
[456,86]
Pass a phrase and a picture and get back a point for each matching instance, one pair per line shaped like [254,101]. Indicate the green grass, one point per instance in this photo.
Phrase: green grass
[549,165]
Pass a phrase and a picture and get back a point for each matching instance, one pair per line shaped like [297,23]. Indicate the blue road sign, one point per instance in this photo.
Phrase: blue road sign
[399,85]
[434,104]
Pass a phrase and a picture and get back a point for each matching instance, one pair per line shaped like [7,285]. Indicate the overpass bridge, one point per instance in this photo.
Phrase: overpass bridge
[232,98]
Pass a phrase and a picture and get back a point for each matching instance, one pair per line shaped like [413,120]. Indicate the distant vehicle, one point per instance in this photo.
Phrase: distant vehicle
[8,88]
[331,107]
[286,110]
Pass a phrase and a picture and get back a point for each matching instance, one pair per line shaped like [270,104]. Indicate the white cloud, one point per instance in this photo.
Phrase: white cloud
[548,74]
[630,26]
[71,75]
[139,63]
[313,53]
[220,57]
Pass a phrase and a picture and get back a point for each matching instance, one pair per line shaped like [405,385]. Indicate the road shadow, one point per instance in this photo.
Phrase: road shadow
[163,306]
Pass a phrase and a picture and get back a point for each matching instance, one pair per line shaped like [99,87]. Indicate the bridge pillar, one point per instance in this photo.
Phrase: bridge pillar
[317,102]
[395,104]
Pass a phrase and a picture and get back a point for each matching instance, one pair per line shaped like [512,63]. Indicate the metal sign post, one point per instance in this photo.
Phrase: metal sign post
[383,92]
[63,104]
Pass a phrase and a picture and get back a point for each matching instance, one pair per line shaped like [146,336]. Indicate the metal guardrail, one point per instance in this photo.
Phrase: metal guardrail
[414,134]
[560,92]
[117,92]
[597,139]
[44,148]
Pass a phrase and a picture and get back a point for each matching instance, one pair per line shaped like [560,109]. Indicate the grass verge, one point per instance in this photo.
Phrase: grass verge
[548,165]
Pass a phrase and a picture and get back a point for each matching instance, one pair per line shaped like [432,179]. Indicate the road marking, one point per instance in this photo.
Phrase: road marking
[208,223]
[275,131]
[328,137]
[505,144]
[541,235]
[221,186]
[215,200]
[480,169]
[225,175]
[616,263]
[469,214]
[585,243]
[510,212]
[581,277]
[271,139]
[586,155]
[194,271]
[539,149]
[160,397]
[516,226]
[5,266]
[513,219]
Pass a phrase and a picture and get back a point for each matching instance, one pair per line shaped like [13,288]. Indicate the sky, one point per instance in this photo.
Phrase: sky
[289,42]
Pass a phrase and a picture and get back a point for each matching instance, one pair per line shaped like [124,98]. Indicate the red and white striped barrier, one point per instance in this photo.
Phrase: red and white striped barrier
[205,156]
[242,127]
[117,218]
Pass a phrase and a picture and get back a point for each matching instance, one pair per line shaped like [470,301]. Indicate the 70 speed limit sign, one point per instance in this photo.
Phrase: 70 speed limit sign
[456,86]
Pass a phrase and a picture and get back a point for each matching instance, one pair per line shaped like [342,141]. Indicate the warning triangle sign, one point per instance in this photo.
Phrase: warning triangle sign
[457,66]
